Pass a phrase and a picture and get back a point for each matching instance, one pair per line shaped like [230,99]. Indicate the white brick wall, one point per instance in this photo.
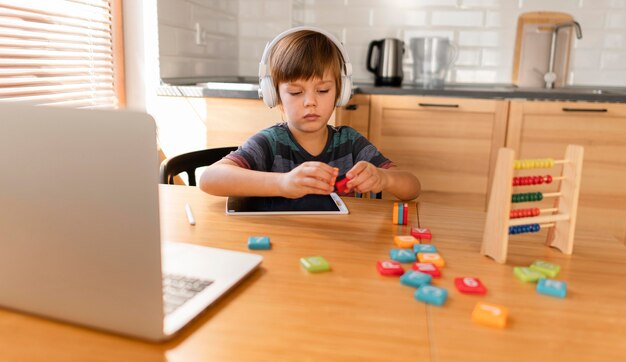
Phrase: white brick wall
[483,29]
[181,55]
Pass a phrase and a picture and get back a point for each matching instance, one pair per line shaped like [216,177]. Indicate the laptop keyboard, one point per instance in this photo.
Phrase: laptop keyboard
[177,289]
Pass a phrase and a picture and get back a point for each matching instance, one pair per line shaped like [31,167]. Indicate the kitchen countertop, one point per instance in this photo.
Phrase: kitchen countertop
[247,88]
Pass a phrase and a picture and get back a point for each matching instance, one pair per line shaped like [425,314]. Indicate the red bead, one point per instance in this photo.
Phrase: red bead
[536,211]
[548,179]
[539,180]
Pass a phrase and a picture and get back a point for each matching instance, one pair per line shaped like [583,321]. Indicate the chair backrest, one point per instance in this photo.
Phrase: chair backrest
[189,162]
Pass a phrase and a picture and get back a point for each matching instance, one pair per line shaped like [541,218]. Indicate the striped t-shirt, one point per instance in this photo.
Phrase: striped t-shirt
[274,149]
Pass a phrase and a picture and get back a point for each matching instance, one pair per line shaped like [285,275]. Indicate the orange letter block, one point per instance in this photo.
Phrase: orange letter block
[490,314]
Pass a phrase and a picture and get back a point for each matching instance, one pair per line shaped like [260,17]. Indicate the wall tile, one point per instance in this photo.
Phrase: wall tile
[616,20]
[391,17]
[468,57]
[493,19]
[586,59]
[475,76]
[614,41]
[551,5]
[479,38]
[457,18]
[604,4]
[480,3]
[613,60]
[491,58]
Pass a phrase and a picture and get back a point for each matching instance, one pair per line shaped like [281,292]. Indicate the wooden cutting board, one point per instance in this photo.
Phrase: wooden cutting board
[532,48]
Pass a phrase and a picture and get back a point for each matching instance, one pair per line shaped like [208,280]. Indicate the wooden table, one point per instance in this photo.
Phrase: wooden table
[282,312]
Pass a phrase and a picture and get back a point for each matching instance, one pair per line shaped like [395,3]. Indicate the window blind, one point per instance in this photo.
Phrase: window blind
[59,52]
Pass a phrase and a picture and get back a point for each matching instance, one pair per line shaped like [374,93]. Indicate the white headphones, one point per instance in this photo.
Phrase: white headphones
[267,89]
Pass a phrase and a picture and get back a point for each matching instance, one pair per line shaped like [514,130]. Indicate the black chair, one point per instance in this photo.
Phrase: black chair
[189,162]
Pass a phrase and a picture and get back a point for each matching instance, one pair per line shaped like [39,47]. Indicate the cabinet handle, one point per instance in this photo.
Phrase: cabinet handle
[597,110]
[352,107]
[438,105]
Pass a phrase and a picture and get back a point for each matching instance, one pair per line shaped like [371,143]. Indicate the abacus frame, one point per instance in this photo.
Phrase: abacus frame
[562,225]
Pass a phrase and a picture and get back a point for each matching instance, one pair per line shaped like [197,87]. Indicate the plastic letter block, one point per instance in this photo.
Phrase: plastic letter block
[405,213]
[259,242]
[421,233]
[431,295]
[341,186]
[402,255]
[526,274]
[405,241]
[549,269]
[415,279]
[469,285]
[315,264]
[400,213]
[490,315]
[434,258]
[427,268]
[424,248]
[395,213]
[552,287]
[388,268]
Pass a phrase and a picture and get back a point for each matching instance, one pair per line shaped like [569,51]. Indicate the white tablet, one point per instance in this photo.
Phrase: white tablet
[310,204]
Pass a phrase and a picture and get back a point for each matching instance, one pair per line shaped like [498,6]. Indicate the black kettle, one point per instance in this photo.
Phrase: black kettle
[387,66]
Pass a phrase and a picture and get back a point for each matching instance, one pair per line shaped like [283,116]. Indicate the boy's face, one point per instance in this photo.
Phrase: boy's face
[308,104]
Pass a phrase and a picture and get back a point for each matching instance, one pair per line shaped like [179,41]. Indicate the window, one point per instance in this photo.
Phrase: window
[61,52]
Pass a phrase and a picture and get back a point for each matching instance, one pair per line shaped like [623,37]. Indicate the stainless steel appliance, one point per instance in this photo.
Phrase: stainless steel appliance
[387,58]
[432,58]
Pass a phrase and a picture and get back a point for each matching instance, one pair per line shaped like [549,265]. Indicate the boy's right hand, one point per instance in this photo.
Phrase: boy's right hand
[308,178]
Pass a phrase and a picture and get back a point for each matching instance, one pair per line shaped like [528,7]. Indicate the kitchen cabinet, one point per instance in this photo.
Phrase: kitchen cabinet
[355,114]
[230,121]
[450,144]
[540,129]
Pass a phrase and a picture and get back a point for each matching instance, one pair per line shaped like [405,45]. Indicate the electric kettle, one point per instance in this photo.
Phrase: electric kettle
[387,66]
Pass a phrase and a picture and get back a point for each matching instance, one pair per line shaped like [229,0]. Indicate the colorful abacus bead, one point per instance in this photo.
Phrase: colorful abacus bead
[548,179]
[521,229]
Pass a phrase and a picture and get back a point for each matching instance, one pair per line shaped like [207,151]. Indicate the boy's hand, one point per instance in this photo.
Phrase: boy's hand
[308,178]
[365,177]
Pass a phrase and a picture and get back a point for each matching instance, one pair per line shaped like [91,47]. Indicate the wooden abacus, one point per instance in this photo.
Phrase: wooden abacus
[561,218]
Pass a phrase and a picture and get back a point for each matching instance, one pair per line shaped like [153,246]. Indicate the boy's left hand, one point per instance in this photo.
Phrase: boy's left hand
[365,177]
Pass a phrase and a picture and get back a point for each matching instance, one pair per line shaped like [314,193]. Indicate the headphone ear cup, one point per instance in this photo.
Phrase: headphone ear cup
[346,91]
[268,91]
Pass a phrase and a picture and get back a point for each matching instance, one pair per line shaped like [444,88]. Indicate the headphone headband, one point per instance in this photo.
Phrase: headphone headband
[267,90]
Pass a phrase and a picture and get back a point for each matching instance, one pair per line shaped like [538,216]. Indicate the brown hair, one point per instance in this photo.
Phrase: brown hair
[305,54]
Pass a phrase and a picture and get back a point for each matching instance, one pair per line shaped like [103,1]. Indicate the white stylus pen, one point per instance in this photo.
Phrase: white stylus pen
[189,213]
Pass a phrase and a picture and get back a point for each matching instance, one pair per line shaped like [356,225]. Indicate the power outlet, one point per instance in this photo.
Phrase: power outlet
[200,34]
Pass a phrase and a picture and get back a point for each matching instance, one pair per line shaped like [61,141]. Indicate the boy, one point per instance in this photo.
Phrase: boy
[305,155]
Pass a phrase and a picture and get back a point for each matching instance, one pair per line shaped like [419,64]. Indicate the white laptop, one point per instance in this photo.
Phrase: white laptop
[79,226]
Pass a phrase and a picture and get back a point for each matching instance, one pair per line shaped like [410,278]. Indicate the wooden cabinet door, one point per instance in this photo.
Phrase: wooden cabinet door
[231,121]
[450,144]
[355,114]
[542,129]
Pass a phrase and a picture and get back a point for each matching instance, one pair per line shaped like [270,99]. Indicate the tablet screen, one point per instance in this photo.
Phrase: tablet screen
[309,204]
